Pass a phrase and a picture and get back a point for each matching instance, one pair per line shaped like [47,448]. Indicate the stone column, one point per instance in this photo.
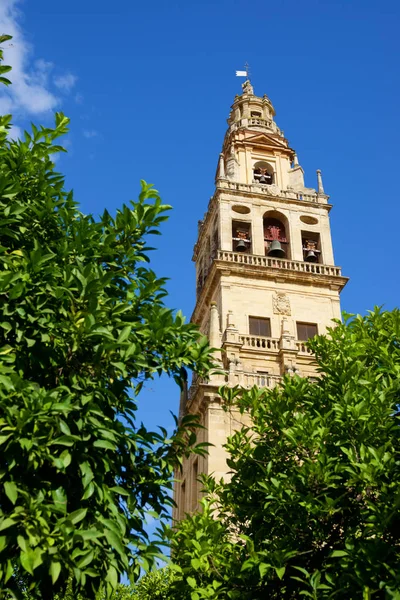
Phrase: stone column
[319,179]
[214,334]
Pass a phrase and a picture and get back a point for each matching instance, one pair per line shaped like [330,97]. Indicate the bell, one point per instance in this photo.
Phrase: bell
[263,179]
[276,250]
[311,256]
[241,246]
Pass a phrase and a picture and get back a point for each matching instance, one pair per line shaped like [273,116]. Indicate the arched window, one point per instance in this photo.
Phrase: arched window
[241,236]
[263,173]
[276,241]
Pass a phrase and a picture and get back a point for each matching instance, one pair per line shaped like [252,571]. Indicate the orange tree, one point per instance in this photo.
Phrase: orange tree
[312,506]
[82,326]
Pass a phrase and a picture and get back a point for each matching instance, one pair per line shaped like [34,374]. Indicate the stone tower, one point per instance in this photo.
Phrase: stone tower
[265,272]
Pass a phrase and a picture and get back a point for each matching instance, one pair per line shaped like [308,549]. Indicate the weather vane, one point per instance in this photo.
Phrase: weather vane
[245,73]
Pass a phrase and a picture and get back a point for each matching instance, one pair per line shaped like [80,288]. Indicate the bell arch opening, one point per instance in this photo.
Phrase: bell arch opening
[276,235]
[263,173]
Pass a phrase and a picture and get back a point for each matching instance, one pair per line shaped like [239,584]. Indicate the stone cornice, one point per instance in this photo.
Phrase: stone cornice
[325,278]
[245,190]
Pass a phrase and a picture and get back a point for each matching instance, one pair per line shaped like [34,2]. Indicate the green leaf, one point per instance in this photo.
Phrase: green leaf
[195,563]
[54,571]
[11,491]
[6,523]
[104,444]
[60,499]
[191,581]
[112,577]
[125,333]
[263,569]
[66,440]
[114,541]
[85,560]
[31,559]
[77,515]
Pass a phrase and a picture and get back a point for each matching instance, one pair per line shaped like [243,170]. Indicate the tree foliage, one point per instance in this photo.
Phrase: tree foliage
[83,325]
[312,508]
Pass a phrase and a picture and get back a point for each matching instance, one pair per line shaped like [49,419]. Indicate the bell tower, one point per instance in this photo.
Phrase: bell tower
[266,280]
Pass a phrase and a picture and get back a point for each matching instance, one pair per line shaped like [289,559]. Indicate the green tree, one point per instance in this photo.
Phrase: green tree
[83,325]
[312,508]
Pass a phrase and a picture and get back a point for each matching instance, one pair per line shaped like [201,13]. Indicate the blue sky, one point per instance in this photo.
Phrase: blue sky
[148,87]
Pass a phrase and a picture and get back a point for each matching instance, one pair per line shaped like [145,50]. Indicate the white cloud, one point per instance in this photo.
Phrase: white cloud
[90,133]
[30,92]
[66,82]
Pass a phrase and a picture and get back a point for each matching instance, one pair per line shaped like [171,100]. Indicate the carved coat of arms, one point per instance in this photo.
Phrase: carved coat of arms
[281,304]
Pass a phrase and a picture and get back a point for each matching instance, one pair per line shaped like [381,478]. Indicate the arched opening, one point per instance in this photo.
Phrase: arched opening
[241,236]
[263,173]
[276,235]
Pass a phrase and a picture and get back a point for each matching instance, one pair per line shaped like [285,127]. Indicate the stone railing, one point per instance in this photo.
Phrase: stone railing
[241,378]
[302,348]
[271,190]
[303,196]
[257,122]
[259,342]
[278,263]
[260,122]
[247,380]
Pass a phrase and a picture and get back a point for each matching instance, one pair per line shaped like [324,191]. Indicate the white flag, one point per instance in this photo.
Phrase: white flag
[241,73]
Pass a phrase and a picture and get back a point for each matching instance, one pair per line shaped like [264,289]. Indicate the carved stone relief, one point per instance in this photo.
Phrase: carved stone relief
[281,304]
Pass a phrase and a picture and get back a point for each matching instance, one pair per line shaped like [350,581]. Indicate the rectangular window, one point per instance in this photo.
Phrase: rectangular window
[305,331]
[259,326]
[255,113]
[262,379]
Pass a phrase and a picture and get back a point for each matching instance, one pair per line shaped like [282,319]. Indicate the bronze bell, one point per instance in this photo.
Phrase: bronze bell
[241,246]
[311,256]
[276,250]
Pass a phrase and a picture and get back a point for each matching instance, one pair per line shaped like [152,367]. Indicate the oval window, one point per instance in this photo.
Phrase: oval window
[309,220]
[243,210]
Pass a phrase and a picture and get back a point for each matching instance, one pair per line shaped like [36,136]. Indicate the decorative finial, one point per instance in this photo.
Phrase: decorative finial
[296,161]
[246,86]
[245,73]
[320,186]
[230,323]
[221,170]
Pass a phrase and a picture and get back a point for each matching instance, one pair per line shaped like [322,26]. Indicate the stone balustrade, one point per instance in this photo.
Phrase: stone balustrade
[256,122]
[302,348]
[271,190]
[259,343]
[278,263]
[248,380]
[241,378]
[259,122]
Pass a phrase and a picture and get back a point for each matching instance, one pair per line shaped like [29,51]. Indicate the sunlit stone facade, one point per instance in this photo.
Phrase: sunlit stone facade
[265,272]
